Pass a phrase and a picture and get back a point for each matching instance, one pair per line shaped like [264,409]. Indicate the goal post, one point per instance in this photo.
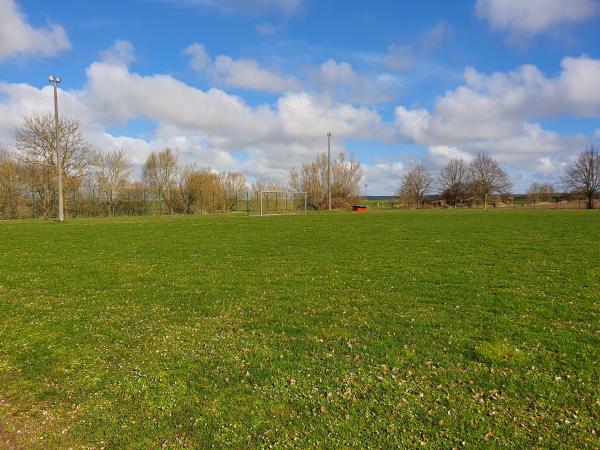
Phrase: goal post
[282,202]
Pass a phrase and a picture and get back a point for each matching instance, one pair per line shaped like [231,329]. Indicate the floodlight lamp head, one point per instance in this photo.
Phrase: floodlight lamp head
[329,134]
[54,79]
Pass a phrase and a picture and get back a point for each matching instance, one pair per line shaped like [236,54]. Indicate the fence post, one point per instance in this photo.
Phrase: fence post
[10,205]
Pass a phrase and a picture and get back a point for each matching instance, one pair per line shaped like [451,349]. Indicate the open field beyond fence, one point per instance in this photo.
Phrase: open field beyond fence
[396,328]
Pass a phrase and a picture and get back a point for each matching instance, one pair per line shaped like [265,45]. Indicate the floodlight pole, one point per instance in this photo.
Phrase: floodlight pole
[329,134]
[55,81]
[366,195]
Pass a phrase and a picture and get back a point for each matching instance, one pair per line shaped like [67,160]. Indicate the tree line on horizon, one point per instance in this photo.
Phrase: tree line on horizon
[461,183]
[105,177]
[28,177]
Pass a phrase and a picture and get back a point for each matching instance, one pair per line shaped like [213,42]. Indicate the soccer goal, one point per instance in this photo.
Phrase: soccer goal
[282,202]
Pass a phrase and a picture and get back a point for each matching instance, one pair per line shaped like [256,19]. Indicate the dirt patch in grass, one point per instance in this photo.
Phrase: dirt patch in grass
[8,441]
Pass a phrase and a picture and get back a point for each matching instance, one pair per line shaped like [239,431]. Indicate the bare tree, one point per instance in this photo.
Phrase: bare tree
[160,172]
[584,177]
[540,191]
[205,185]
[415,186]
[488,178]
[36,142]
[231,184]
[113,170]
[454,181]
[312,179]
[187,188]
[346,173]
[11,183]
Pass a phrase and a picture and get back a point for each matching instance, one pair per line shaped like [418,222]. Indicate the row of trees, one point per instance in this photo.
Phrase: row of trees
[182,188]
[541,192]
[461,182]
[28,175]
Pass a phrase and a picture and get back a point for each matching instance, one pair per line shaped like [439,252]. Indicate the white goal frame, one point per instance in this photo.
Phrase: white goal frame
[286,193]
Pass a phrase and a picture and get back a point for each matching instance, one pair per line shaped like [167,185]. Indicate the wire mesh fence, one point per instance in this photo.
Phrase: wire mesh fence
[89,202]
[559,201]
[144,202]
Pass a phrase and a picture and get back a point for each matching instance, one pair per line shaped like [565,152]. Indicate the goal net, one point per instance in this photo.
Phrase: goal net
[281,202]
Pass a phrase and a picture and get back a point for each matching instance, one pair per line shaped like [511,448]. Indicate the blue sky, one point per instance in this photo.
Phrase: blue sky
[254,85]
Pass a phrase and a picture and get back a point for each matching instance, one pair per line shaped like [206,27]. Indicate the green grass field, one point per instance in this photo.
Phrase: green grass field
[440,328]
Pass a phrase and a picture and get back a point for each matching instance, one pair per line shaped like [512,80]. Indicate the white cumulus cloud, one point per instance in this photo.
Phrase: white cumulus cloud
[121,52]
[339,79]
[243,73]
[499,113]
[199,59]
[247,74]
[19,38]
[529,17]
[211,127]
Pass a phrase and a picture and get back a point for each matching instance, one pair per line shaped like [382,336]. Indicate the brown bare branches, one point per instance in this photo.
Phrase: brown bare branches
[416,184]
[487,178]
[346,173]
[540,192]
[113,171]
[584,177]
[454,181]
[35,141]
[160,172]
[11,183]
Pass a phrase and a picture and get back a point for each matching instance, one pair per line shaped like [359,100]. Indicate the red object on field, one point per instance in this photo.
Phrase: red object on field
[359,208]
